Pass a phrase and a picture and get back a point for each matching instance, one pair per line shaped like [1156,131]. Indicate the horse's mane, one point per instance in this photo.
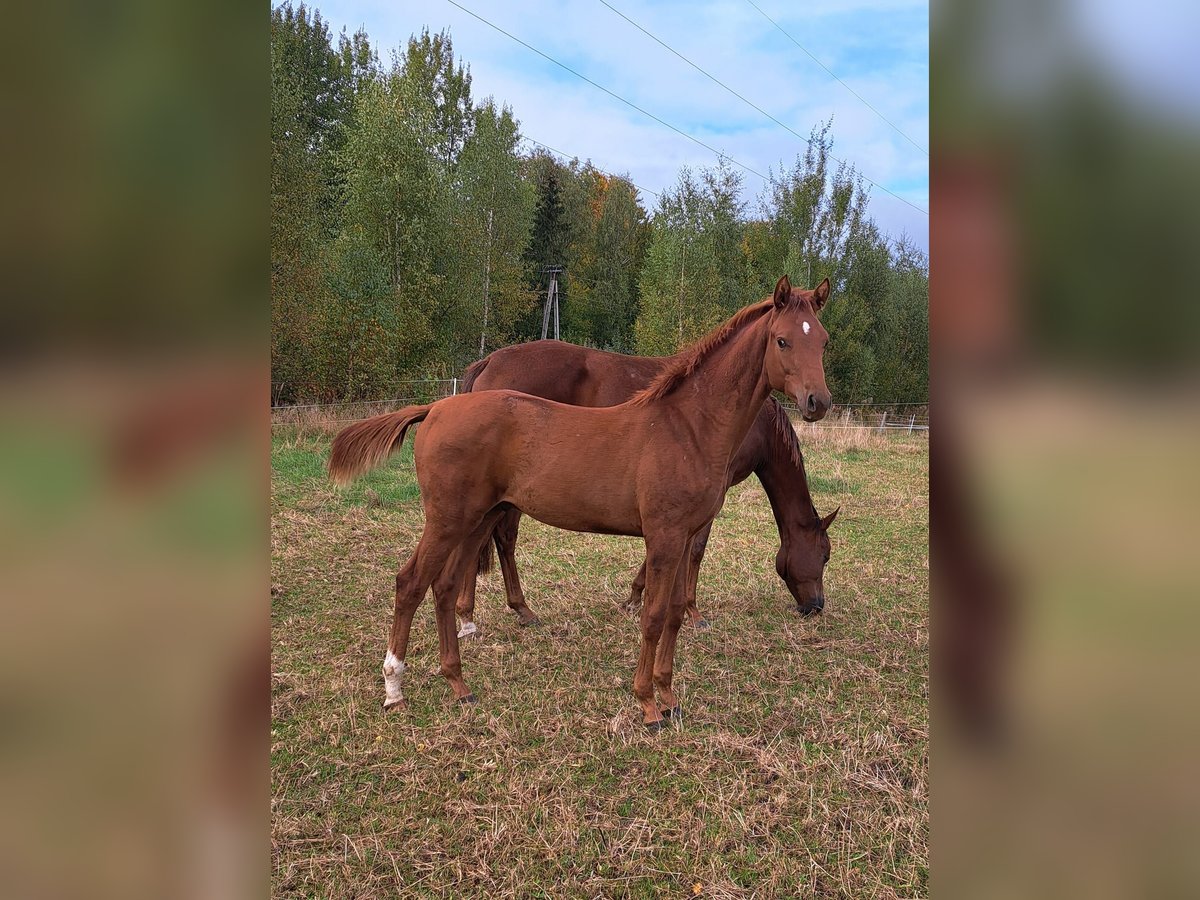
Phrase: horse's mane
[788,443]
[687,361]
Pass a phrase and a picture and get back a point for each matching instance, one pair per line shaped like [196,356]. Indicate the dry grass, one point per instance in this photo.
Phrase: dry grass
[801,770]
[846,431]
[298,422]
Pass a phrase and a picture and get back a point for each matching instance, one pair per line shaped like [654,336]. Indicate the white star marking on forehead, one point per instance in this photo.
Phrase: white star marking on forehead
[807,328]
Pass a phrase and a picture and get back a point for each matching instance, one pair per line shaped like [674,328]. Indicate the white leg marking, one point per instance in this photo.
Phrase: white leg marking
[393,669]
[467,629]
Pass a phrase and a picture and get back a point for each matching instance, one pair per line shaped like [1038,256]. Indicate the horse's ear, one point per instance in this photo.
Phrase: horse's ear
[828,520]
[820,295]
[783,291]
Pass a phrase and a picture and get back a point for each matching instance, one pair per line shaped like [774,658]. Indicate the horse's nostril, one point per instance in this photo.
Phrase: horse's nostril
[812,403]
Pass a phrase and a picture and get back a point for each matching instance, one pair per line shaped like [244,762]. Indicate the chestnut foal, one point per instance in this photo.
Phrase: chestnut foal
[654,466]
[583,376]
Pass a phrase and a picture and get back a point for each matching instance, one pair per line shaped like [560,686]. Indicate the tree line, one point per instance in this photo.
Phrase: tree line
[410,233]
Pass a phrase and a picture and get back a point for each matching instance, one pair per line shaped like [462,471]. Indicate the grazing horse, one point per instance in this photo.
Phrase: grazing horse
[654,466]
[585,377]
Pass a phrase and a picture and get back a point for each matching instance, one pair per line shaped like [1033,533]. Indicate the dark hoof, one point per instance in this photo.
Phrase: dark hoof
[470,698]
[655,727]
[392,706]
[810,612]
[703,624]
[530,622]
[674,714]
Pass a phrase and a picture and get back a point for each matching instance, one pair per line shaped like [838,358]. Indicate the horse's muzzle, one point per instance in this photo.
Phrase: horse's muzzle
[814,606]
[816,405]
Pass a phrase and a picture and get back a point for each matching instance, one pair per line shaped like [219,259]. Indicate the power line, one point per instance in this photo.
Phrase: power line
[839,81]
[593,165]
[719,153]
[753,105]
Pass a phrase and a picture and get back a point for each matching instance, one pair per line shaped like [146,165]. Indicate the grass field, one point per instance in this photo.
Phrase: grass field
[801,769]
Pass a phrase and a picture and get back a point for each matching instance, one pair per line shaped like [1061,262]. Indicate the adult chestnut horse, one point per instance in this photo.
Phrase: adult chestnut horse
[654,466]
[586,377]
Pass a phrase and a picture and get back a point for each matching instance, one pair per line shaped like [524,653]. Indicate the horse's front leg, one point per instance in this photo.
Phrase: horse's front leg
[664,555]
[664,660]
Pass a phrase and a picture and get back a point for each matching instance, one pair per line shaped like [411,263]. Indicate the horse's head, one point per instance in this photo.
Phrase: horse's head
[796,346]
[801,564]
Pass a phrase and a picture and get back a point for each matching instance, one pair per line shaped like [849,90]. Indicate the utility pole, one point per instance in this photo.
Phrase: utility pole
[551,302]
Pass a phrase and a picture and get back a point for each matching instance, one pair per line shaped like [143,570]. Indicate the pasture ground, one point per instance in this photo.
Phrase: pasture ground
[801,769]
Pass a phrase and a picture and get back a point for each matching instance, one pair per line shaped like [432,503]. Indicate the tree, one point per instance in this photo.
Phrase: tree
[904,375]
[371,337]
[444,90]
[815,218]
[694,273]
[606,285]
[310,102]
[409,235]
[493,222]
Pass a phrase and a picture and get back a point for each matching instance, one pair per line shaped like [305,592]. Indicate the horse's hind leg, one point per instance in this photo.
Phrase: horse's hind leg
[464,606]
[506,544]
[411,584]
[636,590]
[692,575]
[446,590]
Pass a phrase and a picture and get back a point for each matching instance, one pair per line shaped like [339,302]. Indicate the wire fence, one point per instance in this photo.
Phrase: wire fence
[886,418]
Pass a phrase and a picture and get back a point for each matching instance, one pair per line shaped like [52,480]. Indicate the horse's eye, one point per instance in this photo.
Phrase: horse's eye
[782,343]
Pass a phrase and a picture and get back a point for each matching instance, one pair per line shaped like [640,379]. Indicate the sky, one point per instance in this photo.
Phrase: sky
[880,48]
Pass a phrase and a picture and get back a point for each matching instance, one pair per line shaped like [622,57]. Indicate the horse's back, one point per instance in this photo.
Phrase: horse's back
[568,373]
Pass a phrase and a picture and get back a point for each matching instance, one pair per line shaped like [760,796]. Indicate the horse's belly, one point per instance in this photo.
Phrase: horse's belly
[581,501]
[589,521]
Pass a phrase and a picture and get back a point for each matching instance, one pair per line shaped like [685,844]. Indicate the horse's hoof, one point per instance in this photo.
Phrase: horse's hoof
[529,623]
[470,698]
[656,726]
[674,714]
[393,705]
[703,624]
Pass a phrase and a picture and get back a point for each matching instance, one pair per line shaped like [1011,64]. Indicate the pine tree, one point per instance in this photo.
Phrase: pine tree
[548,239]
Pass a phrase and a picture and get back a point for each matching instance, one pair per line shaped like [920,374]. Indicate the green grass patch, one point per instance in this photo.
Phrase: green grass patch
[801,768]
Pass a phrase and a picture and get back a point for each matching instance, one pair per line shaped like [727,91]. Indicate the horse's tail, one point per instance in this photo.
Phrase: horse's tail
[360,447]
[474,370]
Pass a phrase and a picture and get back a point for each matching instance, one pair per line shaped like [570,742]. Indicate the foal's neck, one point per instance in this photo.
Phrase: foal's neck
[727,389]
